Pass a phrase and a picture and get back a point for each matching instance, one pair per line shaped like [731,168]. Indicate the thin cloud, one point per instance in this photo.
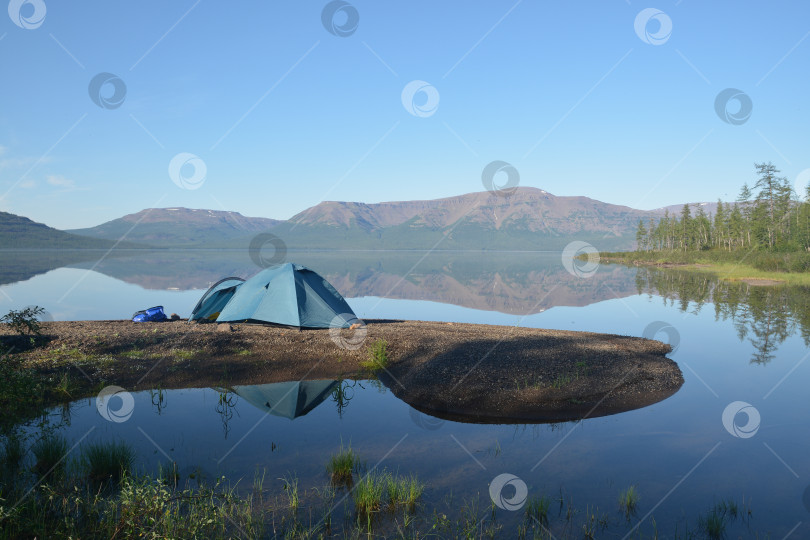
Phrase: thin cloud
[64,184]
[60,181]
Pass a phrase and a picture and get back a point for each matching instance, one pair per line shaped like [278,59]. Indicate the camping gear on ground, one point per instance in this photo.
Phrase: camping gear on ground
[153,314]
[287,399]
[288,294]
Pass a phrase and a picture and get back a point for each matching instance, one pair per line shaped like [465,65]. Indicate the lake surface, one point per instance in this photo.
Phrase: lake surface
[742,350]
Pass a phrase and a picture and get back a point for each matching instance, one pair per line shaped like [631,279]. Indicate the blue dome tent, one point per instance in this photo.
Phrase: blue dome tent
[288,294]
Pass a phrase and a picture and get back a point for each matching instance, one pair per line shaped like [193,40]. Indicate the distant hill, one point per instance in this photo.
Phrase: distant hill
[179,227]
[17,232]
[529,219]
[675,209]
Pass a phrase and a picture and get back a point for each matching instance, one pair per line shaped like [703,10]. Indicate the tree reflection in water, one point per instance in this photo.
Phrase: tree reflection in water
[765,315]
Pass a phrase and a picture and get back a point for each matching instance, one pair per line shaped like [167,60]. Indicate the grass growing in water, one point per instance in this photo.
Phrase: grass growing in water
[341,466]
[13,453]
[291,490]
[628,501]
[49,453]
[403,491]
[368,493]
[721,514]
[378,489]
[377,356]
[537,508]
[108,460]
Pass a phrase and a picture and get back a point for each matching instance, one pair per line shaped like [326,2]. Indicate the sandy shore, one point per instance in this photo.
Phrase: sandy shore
[459,371]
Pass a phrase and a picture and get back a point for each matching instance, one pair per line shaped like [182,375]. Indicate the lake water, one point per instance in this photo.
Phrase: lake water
[742,350]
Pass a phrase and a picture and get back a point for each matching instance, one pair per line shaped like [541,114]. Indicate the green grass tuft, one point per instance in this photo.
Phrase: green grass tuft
[291,490]
[342,465]
[49,455]
[13,454]
[377,356]
[379,489]
[108,460]
[403,491]
[628,501]
[368,492]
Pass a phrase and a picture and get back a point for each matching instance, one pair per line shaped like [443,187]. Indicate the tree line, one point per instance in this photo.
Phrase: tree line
[768,216]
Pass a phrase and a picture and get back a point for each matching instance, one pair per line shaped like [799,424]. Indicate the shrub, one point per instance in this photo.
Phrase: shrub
[24,321]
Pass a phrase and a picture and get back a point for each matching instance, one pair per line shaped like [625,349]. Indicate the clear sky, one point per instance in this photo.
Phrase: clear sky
[287,103]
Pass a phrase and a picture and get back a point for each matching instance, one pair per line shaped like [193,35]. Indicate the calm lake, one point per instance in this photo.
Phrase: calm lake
[738,430]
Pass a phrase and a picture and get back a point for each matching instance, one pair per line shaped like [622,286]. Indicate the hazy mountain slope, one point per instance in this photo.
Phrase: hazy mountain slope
[675,209]
[178,227]
[530,208]
[18,232]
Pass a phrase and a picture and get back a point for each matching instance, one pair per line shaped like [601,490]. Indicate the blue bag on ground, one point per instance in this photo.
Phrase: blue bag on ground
[153,314]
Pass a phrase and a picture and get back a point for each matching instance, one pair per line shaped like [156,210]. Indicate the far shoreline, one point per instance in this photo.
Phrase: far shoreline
[703,262]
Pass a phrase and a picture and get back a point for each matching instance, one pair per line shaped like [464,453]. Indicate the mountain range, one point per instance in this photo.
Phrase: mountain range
[528,219]
[18,232]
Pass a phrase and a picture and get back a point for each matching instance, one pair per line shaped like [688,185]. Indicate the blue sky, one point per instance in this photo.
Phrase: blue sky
[284,114]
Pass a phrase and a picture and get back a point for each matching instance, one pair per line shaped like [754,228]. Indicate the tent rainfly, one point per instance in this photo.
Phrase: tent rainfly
[288,294]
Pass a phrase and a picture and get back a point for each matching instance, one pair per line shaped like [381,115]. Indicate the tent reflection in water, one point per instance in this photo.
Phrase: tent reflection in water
[287,294]
[287,399]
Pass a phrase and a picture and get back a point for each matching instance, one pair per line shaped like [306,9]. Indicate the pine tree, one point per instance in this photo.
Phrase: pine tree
[686,226]
[719,238]
[744,201]
[768,185]
[641,237]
